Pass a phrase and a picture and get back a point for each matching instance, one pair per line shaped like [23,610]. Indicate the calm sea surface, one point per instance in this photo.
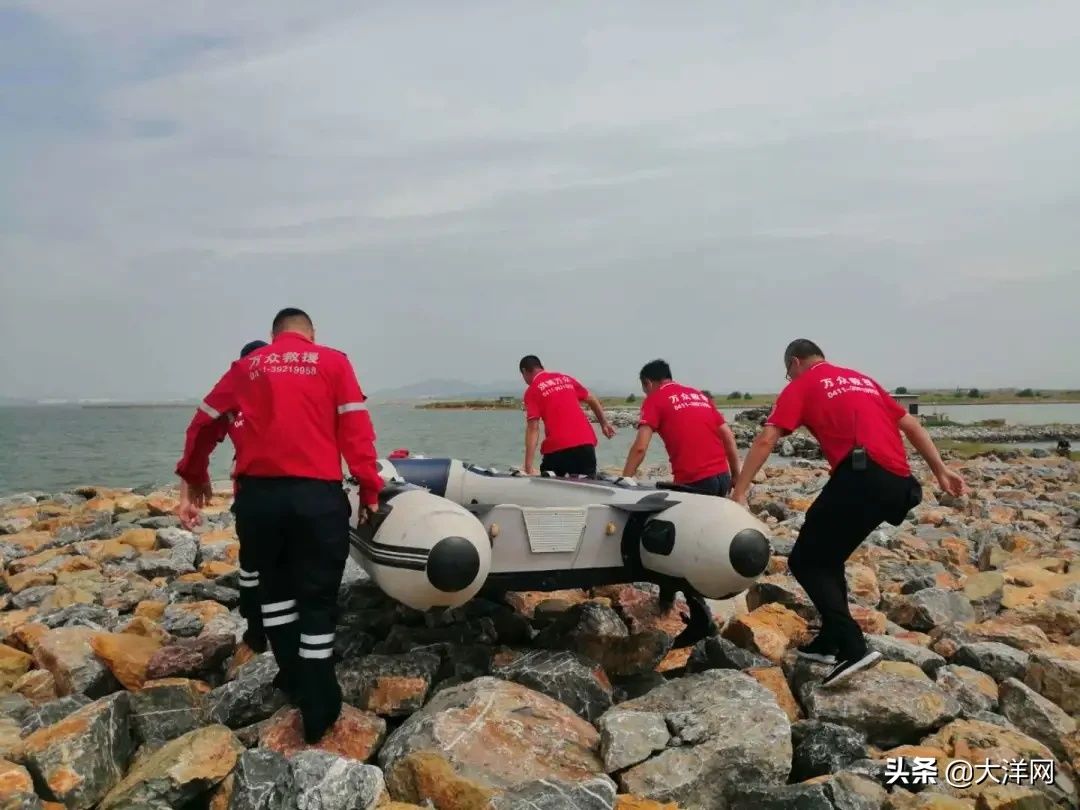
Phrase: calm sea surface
[52,448]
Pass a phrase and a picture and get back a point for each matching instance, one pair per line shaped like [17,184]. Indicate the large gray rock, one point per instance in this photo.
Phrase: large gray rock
[566,676]
[890,709]
[321,781]
[248,699]
[179,772]
[256,777]
[821,748]
[389,685]
[705,763]
[598,633]
[975,691]
[845,791]
[894,649]
[78,760]
[629,737]
[1037,717]
[985,591]
[929,608]
[499,733]
[163,711]
[1055,674]
[53,712]
[716,652]
[997,660]
[551,794]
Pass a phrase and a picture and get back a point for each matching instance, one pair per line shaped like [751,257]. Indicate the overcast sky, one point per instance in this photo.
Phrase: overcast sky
[447,186]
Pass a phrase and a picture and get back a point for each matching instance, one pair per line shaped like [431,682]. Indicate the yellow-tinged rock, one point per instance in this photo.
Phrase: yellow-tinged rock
[18,583]
[14,779]
[139,539]
[215,569]
[149,609]
[181,770]
[12,620]
[772,678]
[142,626]
[13,665]
[38,686]
[626,802]
[904,670]
[425,776]
[126,655]
[769,630]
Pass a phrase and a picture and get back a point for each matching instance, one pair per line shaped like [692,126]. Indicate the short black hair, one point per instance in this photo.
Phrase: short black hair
[530,362]
[287,316]
[801,349]
[656,371]
[250,347]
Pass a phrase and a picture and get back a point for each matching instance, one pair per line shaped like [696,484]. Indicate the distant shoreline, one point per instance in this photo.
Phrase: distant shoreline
[926,398]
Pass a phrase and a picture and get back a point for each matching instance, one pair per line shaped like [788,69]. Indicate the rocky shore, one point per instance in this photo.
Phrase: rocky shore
[803,445]
[122,685]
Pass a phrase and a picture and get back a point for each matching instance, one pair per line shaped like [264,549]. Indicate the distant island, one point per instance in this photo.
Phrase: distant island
[745,399]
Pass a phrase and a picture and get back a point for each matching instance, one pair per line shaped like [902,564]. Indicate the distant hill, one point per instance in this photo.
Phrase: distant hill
[459,389]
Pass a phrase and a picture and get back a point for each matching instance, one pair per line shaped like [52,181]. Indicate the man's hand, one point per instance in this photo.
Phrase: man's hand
[608,430]
[367,512]
[951,481]
[201,495]
[530,470]
[739,498]
[189,514]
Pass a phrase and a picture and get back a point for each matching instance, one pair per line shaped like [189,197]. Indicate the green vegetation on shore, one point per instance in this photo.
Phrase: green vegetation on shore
[741,399]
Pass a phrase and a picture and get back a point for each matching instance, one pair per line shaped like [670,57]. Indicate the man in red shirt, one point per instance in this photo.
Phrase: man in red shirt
[569,446]
[859,426]
[699,443]
[193,498]
[303,410]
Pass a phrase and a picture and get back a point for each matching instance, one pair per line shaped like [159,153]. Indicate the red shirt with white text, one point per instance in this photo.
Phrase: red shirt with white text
[841,408]
[556,400]
[688,423]
[303,410]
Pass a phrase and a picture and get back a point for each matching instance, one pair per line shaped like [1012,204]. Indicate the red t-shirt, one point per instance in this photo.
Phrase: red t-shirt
[688,423]
[842,408]
[556,399]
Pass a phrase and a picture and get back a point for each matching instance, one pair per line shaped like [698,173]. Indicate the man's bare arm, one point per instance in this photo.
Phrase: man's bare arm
[637,451]
[950,480]
[532,438]
[759,453]
[601,417]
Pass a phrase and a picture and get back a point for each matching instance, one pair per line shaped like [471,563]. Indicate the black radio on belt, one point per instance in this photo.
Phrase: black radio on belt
[858,458]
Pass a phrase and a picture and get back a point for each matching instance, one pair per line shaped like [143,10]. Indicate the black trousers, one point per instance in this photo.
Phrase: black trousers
[302,531]
[713,485]
[852,504]
[248,581]
[580,460]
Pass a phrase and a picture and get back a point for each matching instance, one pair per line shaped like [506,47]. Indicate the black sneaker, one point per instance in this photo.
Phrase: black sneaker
[845,669]
[819,650]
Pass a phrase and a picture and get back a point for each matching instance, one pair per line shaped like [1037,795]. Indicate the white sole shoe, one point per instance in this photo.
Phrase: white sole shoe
[845,669]
[818,657]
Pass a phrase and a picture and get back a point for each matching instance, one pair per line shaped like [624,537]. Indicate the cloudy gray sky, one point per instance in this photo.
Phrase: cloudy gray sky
[446,186]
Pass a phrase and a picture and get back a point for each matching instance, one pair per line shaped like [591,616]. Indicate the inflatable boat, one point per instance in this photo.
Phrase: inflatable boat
[447,529]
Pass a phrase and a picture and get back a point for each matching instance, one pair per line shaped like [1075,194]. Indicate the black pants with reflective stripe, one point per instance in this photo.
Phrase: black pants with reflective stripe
[299,529]
[248,581]
[852,504]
